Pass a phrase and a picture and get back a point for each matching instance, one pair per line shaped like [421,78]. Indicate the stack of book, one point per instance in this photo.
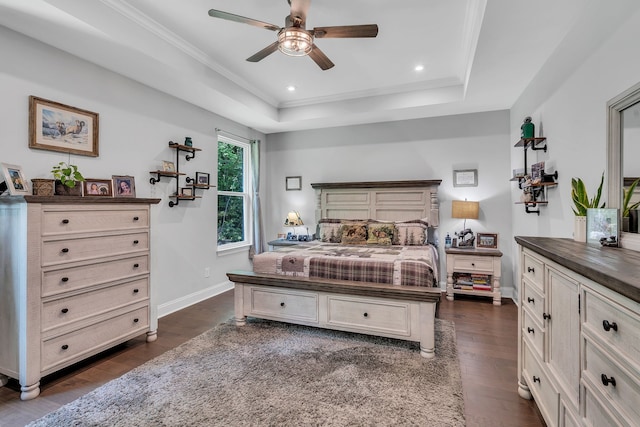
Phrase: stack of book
[481,282]
[463,281]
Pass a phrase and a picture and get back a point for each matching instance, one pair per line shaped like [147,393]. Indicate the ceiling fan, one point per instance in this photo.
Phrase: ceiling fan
[294,39]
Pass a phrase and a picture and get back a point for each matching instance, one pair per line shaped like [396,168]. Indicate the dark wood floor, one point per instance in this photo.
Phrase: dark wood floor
[486,337]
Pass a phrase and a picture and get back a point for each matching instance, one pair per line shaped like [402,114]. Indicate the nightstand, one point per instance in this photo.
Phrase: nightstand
[474,272]
[283,242]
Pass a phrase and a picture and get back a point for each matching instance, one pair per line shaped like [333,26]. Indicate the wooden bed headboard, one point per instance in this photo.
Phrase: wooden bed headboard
[380,200]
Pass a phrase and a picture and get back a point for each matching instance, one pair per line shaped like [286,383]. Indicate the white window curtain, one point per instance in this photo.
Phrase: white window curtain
[258,239]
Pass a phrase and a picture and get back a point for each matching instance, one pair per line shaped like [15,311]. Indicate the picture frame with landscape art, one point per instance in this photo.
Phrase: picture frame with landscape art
[14,179]
[602,224]
[58,127]
[487,240]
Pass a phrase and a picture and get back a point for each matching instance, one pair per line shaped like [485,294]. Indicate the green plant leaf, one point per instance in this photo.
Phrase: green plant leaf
[627,195]
[581,198]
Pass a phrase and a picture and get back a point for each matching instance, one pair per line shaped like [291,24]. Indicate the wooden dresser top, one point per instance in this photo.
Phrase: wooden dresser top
[614,268]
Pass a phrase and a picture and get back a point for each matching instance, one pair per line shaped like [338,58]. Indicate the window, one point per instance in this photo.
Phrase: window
[234,213]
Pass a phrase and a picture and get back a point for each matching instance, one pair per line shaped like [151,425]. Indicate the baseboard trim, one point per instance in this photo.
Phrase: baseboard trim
[194,298]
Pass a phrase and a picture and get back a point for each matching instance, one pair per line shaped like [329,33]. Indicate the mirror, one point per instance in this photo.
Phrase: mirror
[623,147]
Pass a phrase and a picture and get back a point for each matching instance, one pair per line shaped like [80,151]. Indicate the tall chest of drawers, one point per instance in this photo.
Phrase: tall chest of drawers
[74,281]
[579,335]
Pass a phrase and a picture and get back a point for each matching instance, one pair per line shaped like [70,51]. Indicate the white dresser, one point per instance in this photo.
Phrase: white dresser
[579,332]
[74,281]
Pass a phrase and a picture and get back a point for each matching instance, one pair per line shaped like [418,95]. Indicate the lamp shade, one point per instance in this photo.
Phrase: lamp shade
[465,209]
[293,219]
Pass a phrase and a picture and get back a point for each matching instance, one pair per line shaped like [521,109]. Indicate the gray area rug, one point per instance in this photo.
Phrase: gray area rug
[274,374]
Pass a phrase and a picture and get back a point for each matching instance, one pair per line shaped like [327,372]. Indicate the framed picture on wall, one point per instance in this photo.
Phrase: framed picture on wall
[465,178]
[293,183]
[57,127]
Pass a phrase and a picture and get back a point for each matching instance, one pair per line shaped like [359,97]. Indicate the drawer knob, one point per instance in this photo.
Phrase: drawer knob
[65,279]
[473,264]
[135,218]
[609,326]
[65,347]
[136,320]
[65,250]
[135,242]
[608,380]
[531,331]
[282,304]
[65,221]
[65,310]
[136,290]
[531,300]
[366,314]
[531,270]
[136,265]
[536,379]
[546,316]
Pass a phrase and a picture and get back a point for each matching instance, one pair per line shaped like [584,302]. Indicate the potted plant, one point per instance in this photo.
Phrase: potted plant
[67,176]
[582,202]
[627,194]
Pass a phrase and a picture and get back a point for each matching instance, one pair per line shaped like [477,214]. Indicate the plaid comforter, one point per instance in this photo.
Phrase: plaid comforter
[396,265]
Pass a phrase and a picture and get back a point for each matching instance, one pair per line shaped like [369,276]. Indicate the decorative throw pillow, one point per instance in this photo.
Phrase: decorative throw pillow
[353,233]
[411,233]
[380,234]
[329,230]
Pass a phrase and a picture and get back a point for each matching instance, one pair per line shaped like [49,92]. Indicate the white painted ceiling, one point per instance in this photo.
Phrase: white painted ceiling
[478,55]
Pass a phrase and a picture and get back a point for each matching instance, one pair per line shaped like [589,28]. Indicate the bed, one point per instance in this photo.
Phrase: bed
[374,268]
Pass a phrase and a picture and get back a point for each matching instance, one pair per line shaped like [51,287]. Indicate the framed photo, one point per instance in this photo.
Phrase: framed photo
[465,178]
[202,178]
[123,186]
[58,127]
[487,240]
[15,180]
[293,183]
[186,192]
[602,224]
[97,187]
[168,166]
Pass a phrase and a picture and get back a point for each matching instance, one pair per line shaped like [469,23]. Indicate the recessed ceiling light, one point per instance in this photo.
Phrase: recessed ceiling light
[291,88]
[419,67]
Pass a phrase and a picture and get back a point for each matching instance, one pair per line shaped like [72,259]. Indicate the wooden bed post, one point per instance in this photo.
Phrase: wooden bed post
[238,294]
[427,329]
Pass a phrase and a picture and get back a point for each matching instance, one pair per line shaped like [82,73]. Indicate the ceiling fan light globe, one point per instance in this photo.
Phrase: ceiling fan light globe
[295,41]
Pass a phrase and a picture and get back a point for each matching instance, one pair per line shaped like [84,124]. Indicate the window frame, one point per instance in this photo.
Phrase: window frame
[247,195]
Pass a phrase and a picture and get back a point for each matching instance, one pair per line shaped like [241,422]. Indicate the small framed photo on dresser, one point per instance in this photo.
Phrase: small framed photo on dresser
[602,226]
[487,240]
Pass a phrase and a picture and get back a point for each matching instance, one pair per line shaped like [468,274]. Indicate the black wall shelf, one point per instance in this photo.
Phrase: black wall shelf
[190,154]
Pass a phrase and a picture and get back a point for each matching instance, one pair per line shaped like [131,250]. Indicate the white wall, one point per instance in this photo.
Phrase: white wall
[136,124]
[414,149]
[572,115]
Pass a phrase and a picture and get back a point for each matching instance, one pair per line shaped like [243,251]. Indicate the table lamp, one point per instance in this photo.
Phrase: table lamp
[293,220]
[466,210]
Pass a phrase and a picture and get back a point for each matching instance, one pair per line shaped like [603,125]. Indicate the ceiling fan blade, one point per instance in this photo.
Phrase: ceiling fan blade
[346,31]
[264,52]
[300,8]
[320,58]
[241,19]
